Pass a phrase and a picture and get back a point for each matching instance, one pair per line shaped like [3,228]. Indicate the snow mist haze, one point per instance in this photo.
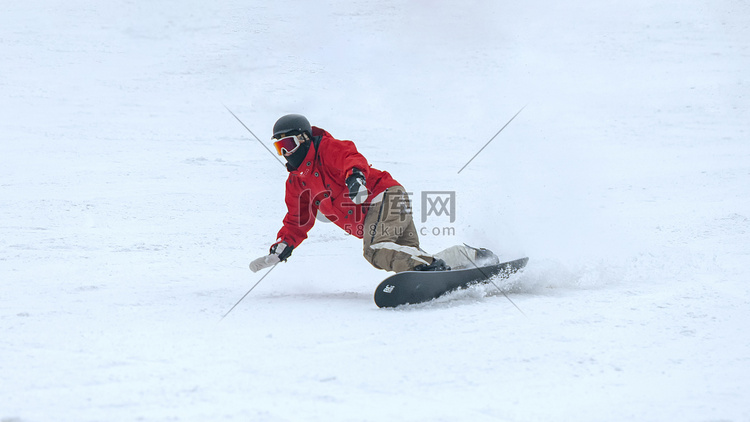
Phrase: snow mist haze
[131,203]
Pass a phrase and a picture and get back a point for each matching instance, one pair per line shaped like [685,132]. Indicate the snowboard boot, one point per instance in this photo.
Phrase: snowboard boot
[464,256]
[484,256]
[436,265]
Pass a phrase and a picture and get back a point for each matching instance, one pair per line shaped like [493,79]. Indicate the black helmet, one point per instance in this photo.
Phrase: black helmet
[292,124]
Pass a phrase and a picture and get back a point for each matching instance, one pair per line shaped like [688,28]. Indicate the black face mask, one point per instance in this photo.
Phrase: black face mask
[295,160]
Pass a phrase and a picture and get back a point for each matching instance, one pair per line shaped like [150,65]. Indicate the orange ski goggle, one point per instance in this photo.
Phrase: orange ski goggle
[287,144]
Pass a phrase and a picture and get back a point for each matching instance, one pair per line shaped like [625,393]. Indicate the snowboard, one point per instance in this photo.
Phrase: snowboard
[410,287]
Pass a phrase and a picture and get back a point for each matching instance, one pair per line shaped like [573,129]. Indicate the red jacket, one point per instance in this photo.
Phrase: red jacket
[319,184]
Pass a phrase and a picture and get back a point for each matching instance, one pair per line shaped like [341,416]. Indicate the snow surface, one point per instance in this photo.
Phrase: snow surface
[131,202]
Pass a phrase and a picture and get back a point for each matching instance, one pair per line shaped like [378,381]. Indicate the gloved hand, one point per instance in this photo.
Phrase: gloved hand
[356,184]
[281,249]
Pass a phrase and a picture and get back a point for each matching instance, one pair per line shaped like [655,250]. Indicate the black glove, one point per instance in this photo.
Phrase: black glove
[356,184]
[281,249]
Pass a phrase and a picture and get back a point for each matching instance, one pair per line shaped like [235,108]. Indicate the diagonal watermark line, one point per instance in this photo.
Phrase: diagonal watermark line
[248,292]
[258,139]
[491,139]
[488,278]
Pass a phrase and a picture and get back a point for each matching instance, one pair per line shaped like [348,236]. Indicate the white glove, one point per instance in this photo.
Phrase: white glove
[278,252]
[264,262]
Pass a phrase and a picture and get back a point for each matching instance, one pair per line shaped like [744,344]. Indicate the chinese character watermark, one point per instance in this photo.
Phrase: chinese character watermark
[438,203]
[437,211]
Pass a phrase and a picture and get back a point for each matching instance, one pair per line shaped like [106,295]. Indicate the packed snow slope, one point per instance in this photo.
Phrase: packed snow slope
[131,202]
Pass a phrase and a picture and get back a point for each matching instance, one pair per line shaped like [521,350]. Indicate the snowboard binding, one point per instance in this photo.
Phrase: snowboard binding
[437,265]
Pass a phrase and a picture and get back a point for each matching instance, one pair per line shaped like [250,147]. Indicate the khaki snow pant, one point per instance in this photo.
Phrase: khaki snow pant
[391,241]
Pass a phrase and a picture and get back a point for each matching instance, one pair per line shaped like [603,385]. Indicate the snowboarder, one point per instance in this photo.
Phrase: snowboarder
[330,176]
